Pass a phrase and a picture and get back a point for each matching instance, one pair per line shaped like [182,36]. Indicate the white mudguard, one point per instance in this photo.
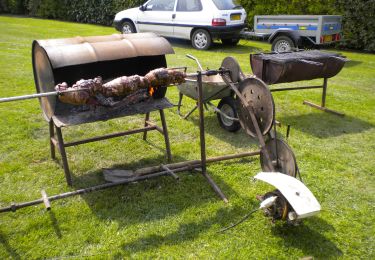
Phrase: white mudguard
[298,195]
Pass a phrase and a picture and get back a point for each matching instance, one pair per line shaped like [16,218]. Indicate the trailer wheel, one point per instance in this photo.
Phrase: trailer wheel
[282,44]
[227,105]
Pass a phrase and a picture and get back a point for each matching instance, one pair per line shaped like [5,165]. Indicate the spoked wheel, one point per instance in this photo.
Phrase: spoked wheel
[228,107]
[281,156]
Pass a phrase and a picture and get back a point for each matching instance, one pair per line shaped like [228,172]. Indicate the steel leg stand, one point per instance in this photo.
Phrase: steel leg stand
[203,142]
[146,119]
[51,136]
[166,136]
[323,105]
[63,156]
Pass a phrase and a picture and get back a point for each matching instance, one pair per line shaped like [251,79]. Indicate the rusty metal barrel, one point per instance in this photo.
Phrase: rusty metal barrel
[274,68]
[71,59]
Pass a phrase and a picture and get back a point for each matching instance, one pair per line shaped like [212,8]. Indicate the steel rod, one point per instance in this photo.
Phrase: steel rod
[104,137]
[38,95]
[203,141]
[305,102]
[295,88]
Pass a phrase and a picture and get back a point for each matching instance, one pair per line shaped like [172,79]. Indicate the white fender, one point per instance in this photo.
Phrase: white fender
[298,195]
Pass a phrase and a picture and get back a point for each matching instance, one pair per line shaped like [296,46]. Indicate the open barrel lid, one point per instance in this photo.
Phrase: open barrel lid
[50,55]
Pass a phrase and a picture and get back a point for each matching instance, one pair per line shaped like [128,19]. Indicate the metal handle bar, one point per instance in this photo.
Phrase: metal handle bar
[196,60]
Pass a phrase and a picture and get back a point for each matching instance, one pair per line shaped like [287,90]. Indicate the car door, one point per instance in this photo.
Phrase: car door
[189,14]
[156,16]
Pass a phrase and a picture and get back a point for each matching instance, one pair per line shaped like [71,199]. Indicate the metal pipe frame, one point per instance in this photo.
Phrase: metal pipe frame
[322,107]
[152,172]
[61,145]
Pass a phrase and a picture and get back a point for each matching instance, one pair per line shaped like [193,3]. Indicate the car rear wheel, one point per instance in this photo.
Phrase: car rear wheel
[127,27]
[230,42]
[282,44]
[201,39]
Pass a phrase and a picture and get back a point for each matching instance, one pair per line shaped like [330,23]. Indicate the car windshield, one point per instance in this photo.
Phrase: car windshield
[227,4]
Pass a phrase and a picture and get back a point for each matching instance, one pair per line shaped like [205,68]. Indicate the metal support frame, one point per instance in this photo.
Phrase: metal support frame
[148,172]
[57,140]
[322,107]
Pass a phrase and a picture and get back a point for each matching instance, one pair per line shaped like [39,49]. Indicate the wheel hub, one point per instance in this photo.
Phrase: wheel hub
[200,40]
[226,109]
[283,46]
[126,29]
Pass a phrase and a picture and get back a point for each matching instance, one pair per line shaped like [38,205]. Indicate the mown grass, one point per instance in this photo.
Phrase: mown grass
[162,218]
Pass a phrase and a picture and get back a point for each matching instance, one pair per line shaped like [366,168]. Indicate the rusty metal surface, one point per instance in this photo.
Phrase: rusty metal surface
[231,64]
[274,68]
[213,88]
[69,60]
[259,97]
[66,117]
[282,157]
[81,50]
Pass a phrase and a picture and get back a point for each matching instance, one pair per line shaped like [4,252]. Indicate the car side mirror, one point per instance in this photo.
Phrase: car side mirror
[145,8]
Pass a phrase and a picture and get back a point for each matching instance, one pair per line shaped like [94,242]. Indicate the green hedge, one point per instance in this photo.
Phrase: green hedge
[359,15]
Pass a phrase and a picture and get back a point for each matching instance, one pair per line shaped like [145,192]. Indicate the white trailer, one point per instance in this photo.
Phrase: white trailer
[286,32]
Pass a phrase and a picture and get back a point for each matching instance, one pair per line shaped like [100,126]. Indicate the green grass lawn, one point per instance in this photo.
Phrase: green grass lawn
[162,218]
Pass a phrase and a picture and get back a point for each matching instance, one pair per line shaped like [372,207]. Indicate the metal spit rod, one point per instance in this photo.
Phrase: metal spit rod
[58,93]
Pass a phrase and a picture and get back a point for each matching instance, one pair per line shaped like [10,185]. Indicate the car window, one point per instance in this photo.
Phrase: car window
[161,5]
[227,4]
[189,5]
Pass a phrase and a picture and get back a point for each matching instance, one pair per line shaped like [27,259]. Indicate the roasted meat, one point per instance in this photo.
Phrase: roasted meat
[89,90]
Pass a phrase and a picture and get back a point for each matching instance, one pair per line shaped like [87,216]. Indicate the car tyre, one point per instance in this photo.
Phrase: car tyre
[230,42]
[283,44]
[127,27]
[228,106]
[201,39]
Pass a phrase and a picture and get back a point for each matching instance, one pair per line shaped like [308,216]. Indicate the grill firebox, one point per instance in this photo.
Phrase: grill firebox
[71,59]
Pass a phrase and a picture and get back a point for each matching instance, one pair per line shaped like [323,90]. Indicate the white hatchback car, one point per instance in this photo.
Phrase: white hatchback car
[200,21]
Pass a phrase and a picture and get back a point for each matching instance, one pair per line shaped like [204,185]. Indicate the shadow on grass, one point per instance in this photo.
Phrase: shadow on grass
[217,46]
[238,139]
[310,240]
[185,232]
[149,200]
[10,250]
[352,63]
[325,125]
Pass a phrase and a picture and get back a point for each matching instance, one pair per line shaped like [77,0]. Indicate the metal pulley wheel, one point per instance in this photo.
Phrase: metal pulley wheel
[231,64]
[281,156]
[260,100]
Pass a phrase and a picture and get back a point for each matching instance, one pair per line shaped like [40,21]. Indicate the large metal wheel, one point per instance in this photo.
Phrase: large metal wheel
[228,106]
[231,64]
[201,39]
[283,44]
[260,100]
[127,27]
[281,156]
